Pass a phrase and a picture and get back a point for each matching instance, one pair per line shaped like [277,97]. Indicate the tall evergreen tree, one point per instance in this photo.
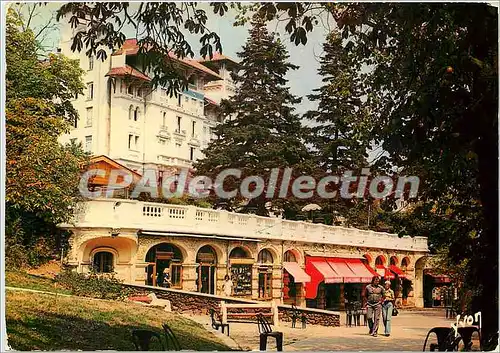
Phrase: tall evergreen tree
[261,130]
[335,137]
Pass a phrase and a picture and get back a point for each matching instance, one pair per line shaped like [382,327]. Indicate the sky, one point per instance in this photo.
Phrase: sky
[301,81]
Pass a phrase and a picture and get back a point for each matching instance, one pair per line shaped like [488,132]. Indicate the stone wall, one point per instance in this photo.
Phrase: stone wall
[198,303]
[314,316]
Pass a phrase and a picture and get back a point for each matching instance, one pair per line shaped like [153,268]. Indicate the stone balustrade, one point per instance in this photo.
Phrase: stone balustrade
[157,217]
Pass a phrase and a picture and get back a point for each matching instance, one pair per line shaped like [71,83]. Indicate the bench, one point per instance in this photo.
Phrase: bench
[266,331]
[216,320]
[225,313]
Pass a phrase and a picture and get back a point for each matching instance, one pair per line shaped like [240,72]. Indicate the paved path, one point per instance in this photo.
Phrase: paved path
[409,329]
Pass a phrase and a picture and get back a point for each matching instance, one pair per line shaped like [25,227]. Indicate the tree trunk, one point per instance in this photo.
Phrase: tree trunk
[483,275]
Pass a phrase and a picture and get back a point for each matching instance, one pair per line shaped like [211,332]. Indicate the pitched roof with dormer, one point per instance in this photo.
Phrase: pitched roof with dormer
[130,47]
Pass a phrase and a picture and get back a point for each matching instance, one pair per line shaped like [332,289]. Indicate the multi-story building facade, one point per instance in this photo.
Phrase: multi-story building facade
[125,119]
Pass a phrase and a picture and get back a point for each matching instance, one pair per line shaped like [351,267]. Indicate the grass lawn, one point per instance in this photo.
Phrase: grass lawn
[24,280]
[38,321]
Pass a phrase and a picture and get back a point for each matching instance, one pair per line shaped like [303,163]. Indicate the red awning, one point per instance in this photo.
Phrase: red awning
[299,275]
[329,275]
[343,270]
[384,272]
[439,278]
[320,271]
[362,271]
[397,271]
[335,270]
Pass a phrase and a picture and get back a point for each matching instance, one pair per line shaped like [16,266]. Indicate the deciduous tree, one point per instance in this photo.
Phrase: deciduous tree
[42,175]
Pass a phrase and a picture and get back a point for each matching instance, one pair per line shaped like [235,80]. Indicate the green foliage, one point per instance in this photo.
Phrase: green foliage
[260,129]
[106,31]
[183,200]
[41,176]
[21,279]
[36,321]
[101,286]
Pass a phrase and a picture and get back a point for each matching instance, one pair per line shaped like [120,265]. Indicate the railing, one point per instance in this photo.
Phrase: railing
[174,161]
[120,213]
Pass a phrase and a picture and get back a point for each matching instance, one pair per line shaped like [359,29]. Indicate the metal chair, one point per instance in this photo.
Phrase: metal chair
[217,321]
[357,311]
[295,316]
[171,339]
[266,331]
[448,340]
[349,314]
[142,339]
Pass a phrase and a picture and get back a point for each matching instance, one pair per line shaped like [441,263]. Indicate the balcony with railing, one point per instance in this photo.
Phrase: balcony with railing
[157,217]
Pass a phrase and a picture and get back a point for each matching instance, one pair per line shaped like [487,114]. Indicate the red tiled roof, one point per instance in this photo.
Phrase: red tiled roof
[217,57]
[130,47]
[127,71]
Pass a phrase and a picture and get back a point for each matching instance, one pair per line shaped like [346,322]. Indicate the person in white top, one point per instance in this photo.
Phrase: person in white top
[227,287]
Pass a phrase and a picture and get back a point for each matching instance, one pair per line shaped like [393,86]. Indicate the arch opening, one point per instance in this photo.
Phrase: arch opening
[265,261]
[380,261]
[289,256]
[103,262]
[241,271]
[206,258]
[393,261]
[239,253]
[164,267]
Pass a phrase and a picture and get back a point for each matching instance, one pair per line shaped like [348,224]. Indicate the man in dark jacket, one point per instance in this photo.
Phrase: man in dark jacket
[374,297]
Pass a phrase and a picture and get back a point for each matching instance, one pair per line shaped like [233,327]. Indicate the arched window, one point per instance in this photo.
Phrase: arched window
[265,273]
[238,253]
[380,261]
[289,256]
[265,257]
[130,112]
[136,114]
[164,121]
[206,255]
[130,90]
[405,263]
[103,262]
[394,260]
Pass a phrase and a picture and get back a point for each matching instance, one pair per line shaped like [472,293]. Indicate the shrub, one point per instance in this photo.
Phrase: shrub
[101,286]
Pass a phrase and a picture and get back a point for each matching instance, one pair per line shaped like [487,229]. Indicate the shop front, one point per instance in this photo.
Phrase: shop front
[294,280]
[335,281]
[437,289]
[241,264]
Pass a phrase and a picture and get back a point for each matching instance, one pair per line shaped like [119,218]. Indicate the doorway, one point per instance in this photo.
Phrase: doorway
[163,257]
[207,266]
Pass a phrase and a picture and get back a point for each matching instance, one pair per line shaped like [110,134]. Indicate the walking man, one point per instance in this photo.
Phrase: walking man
[374,297]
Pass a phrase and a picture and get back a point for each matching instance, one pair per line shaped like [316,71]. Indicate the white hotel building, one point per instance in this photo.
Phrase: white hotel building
[123,119]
